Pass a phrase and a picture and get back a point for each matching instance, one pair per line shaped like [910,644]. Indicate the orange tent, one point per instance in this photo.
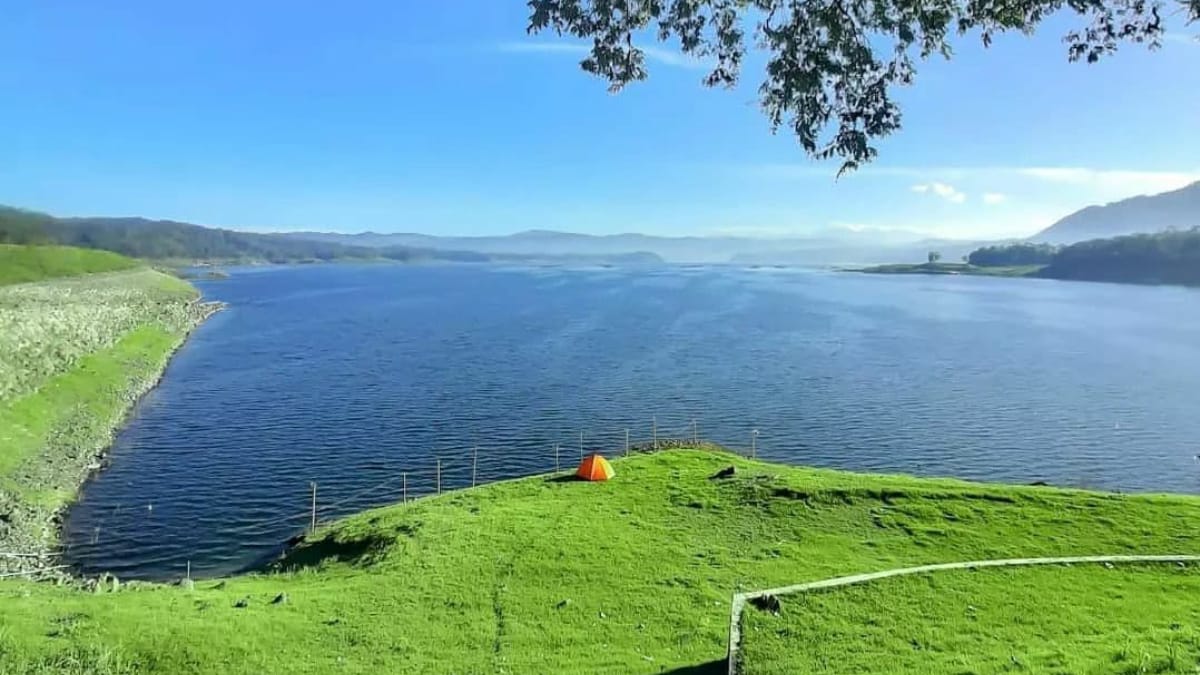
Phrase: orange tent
[595,467]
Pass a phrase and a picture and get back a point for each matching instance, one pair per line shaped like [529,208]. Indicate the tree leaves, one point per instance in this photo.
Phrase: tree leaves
[832,64]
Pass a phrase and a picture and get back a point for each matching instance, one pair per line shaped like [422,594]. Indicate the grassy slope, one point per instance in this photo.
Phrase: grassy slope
[540,575]
[954,268]
[21,264]
[75,412]
[77,353]
[1078,619]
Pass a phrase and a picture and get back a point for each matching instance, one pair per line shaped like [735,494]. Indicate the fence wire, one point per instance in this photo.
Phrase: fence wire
[457,468]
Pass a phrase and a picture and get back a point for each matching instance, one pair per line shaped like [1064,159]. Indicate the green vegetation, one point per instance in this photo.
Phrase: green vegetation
[1013,255]
[75,354]
[953,268]
[22,264]
[1078,619]
[182,242]
[548,575]
[830,70]
[1165,258]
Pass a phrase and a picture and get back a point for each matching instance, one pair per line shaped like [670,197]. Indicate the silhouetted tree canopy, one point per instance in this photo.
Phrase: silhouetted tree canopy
[1013,254]
[832,63]
[1167,257]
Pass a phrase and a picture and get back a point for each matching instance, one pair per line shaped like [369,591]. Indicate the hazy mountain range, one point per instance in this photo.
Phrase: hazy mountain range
[829,247]
[158,239]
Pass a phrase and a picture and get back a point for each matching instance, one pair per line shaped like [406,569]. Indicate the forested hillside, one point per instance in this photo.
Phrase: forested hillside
[170,240]
[1163,258]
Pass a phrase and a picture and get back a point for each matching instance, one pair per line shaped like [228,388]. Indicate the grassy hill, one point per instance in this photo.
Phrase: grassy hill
[21,264]
[547,575]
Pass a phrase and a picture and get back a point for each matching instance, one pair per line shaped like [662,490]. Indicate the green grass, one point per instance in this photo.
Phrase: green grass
[77,410]
[954,268]
[551,576]
[1079,619]
[22,264]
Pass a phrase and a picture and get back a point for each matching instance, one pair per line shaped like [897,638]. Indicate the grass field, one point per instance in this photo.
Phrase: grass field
[551,576]
[22,264]
[1128,618]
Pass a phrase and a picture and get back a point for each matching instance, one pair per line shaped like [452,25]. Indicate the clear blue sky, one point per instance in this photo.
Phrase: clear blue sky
[444,117]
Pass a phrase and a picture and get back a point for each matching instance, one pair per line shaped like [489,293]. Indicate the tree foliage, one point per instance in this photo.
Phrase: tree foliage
[1171,257]
[18,226]
[1012,255]
[832,64]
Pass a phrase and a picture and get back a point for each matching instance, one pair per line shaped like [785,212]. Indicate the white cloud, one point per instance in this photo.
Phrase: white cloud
[1128,182]
[994,198]
[942,190]
[666,57]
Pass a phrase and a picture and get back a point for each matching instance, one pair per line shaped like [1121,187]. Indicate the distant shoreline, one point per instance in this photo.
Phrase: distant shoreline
[953,269]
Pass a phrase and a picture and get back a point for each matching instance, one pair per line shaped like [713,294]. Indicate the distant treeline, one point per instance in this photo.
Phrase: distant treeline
[1013,255]
[167,240]
[1171,257]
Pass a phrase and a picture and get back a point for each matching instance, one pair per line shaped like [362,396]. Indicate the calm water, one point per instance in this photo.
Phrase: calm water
[352,376]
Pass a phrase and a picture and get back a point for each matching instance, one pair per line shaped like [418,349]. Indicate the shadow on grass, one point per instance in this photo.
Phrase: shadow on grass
[354,551]
[711,668]
[565,478]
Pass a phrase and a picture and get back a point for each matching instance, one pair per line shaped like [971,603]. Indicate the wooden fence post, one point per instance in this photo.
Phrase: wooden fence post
[626,442]
[556,457]
[695,433]
[474,466]
[313,524]
[439,476]
[654,430]
[581,445]
[404,486]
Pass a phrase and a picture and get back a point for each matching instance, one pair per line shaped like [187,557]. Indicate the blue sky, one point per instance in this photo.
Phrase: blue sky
[444,117]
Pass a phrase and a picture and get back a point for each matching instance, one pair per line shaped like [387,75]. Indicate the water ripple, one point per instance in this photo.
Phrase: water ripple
[357,378]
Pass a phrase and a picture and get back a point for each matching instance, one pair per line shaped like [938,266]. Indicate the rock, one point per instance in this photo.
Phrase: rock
[280,599]
[767,603]
[1108,565]
[727,472]
[187,584]
[603,615]
[243,603]
[563,603]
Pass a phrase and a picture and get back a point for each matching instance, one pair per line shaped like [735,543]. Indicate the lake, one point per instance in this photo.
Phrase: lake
[363,379]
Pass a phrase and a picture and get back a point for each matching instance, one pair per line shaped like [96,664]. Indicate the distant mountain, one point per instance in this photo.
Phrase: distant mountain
[827,247]
[1176,210]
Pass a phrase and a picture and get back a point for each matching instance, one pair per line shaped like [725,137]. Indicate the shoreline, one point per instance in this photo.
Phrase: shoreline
[34,548]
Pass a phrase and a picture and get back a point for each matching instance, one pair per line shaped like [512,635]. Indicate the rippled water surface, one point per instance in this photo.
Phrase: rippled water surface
[361,378]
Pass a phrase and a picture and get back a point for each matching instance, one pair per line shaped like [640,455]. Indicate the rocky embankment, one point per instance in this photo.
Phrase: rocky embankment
[31,500]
